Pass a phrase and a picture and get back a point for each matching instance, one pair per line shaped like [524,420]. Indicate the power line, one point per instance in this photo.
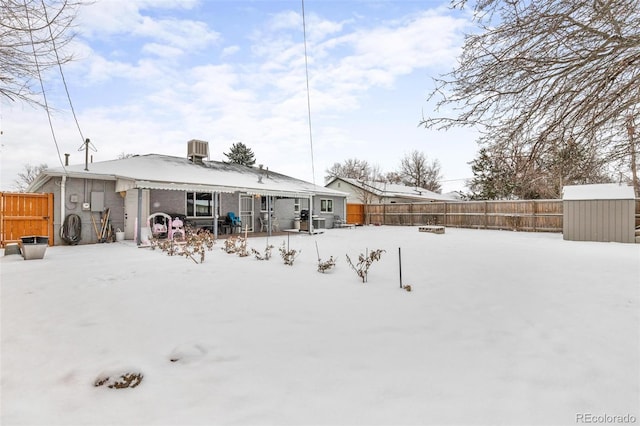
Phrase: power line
[306,67]
[64,80]
[44,95]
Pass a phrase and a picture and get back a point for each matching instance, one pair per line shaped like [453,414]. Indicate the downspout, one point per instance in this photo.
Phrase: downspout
[344,210]
[139,230]
[63,196]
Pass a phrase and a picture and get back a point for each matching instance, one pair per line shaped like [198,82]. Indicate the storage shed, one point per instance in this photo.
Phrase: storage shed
[603,212]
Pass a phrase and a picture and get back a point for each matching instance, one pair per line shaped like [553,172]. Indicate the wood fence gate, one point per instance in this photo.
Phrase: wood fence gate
[25,215]
[355,214]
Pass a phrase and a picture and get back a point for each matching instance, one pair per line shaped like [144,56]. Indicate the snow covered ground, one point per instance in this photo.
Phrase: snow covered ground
[500,328]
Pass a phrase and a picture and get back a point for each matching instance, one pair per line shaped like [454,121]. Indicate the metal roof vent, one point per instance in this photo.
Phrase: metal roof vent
[197,150]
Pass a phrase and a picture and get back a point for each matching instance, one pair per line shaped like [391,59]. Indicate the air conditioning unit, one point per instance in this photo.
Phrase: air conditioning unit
[197,150]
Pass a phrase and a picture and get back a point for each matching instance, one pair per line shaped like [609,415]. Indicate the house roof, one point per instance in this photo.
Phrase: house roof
[155,171]
[605,191]
[393,190]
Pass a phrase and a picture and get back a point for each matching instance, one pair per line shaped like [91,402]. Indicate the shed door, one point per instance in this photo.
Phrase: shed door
[246,211]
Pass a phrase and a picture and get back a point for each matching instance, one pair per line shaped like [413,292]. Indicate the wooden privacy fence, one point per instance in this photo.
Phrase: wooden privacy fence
[528,215]
[25,215]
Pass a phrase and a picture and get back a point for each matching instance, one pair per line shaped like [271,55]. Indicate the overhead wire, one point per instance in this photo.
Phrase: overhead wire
[64,80]
[306,67]
[44,95]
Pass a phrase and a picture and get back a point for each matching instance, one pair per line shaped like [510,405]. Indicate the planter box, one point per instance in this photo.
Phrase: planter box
[34,247]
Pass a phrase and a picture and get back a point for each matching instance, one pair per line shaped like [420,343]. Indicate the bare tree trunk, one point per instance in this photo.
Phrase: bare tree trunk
[631,130]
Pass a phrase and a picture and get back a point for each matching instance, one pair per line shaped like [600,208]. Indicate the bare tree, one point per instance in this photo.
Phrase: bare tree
[369,179]
[542,73]
[416,170]
[27,176]
[351,168]
[123,155]
[393,177]
[33,35]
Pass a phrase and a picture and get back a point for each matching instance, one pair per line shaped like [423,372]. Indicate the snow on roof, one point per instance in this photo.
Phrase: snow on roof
[398,191]
[605,191]
[157,171]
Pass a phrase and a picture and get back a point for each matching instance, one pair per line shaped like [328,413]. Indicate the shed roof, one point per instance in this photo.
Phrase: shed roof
[604,191]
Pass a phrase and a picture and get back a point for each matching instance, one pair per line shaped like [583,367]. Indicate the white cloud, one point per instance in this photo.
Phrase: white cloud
[260,99]
[230,50]
[179,33]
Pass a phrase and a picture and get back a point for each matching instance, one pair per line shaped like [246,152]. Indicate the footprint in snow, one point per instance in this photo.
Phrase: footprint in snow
[187,353]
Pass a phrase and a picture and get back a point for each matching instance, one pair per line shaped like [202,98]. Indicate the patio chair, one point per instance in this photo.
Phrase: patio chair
[158,224]
[263,224]
[177,229]
[234,221]
[338,222]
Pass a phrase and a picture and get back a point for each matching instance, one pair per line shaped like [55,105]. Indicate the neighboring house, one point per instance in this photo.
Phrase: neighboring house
[384,193]
[203,191]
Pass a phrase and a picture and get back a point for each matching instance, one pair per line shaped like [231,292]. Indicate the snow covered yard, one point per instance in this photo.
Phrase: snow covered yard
[500,328]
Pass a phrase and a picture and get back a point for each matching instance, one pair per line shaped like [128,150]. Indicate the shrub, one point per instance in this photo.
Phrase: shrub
[326,265]
[194,244]
[236,245]
[265,256]
[364,263]
[288,256]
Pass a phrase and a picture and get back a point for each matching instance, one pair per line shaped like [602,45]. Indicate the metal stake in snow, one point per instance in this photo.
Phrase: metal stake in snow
[400,265]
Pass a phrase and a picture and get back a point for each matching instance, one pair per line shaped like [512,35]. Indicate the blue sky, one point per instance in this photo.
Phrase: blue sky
[149,75]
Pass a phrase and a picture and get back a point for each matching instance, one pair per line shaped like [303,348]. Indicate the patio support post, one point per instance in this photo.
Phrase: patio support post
[215,215]
[268,215]
[311,215]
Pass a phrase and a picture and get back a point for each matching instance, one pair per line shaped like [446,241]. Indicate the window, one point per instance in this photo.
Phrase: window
[199,204]
[263,203]
[296,205]
[326,206]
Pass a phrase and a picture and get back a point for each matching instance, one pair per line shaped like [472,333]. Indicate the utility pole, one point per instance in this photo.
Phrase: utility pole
[86,146]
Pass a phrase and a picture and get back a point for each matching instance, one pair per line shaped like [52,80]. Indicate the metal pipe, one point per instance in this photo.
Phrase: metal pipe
[139,230]
[63,201]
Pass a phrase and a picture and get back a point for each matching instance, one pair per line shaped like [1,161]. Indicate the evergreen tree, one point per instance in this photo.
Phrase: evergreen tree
[492,180]
[241,154]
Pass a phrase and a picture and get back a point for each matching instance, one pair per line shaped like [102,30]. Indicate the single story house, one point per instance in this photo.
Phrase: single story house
[384,193]
[203,191]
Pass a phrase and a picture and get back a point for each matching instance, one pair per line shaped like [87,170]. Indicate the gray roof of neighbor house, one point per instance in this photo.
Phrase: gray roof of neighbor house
[155,171]
[393,190]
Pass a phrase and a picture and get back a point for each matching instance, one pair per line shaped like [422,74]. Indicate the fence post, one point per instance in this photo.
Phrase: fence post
[485,215]
[444,217]
[384,214]
[411,214]
[535,219]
